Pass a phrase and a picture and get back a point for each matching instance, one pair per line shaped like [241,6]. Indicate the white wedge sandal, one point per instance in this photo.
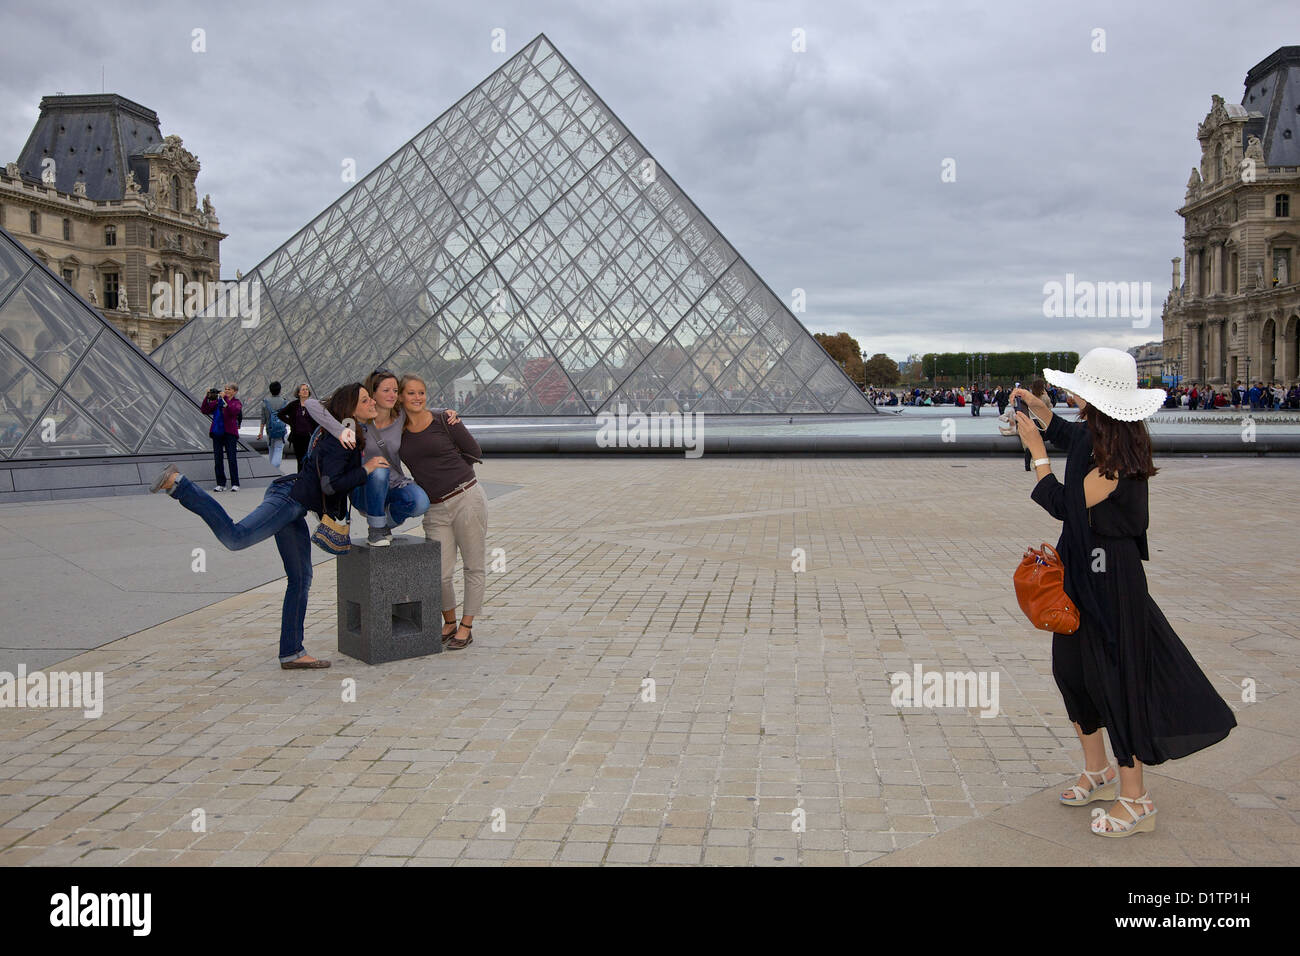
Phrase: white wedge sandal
[1120,828]
[1101,790]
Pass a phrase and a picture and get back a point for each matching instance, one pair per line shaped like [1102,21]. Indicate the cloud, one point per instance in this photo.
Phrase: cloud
[822,167]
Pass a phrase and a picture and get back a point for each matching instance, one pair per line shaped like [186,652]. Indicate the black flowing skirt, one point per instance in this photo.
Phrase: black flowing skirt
[1154,701]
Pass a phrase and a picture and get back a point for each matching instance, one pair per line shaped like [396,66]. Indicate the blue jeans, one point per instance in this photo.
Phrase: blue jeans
[280,516]
[229,446]
[372,498]
[275,446]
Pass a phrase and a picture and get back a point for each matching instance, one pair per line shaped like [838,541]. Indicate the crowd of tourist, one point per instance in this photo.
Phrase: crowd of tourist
[1257,397]
[975,397]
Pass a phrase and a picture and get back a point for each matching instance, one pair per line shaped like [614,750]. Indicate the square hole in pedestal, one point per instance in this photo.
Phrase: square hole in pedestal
[352,620]
[408,620]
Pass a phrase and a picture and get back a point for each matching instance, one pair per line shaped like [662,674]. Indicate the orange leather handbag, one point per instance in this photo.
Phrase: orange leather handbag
[1040,590]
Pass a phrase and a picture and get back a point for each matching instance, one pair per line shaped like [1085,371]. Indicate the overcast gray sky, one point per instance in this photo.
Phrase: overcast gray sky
[822,167]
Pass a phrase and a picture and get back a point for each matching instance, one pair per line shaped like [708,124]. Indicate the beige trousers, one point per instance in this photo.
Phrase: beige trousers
[461,522]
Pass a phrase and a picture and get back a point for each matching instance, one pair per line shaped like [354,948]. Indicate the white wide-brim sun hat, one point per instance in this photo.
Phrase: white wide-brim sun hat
[1108,379]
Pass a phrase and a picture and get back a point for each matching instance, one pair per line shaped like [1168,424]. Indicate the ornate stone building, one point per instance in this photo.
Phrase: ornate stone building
[1150,363]
[104,200]
[1234,311]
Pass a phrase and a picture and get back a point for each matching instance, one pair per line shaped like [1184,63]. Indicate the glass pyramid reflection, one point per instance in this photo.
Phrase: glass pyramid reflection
[524,255]
[70,383]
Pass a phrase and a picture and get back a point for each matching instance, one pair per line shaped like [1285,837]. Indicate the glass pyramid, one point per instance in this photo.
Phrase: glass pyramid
[525,256]
[72,385]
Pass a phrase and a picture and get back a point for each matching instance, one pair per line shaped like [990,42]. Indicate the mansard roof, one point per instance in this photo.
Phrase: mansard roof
[94,138]
[1273,90]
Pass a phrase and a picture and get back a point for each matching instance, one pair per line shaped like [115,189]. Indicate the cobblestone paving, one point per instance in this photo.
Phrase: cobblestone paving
[540,744]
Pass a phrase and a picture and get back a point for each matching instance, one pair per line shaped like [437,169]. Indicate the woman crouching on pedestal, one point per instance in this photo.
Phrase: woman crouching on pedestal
[389,496]
[328,473]
[1125,668]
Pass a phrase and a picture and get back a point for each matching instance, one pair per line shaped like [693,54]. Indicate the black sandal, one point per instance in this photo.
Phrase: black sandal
[447,637]
[455,645]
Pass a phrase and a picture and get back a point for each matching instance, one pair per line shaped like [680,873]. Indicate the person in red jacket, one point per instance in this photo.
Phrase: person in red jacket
[226,412]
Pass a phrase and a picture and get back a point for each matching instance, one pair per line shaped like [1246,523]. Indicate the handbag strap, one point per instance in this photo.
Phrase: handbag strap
[393,460]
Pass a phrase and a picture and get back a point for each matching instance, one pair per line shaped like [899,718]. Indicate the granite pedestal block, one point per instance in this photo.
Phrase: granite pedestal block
[390,600]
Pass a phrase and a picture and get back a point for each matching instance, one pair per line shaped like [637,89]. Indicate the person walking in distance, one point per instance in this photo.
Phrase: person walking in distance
[227,414]
[274,428]
[1124,668]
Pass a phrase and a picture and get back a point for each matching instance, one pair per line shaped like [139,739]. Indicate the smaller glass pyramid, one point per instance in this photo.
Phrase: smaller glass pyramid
[71,385]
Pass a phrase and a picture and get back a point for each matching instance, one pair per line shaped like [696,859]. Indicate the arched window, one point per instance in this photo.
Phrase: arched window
[176,193]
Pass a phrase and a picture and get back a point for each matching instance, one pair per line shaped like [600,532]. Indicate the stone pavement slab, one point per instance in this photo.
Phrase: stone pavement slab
[652,682]
[128,562]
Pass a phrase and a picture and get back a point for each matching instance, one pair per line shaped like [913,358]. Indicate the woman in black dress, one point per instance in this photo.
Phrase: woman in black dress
[301,425]
[1125,668]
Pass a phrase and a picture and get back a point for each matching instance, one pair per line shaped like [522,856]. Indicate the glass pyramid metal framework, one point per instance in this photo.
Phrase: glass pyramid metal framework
[71,385]
[526,256]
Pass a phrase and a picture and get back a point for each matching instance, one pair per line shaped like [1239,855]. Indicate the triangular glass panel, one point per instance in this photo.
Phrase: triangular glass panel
[173,430]
[67,432]
[24,393]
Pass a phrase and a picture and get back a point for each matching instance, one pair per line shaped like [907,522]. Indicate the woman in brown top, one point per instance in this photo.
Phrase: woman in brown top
[439,452]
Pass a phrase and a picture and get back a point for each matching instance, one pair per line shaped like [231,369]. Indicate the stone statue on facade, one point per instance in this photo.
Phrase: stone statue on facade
[1193,181]
[1281,271]
[1255,149]
[94,299]
[1259,277]
[79,188]
[132,187]
[12,171]
[177,155]
[122,304]
[163,190]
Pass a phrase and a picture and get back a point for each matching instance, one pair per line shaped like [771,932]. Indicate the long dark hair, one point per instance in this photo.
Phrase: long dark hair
[343,404]
[1122,449]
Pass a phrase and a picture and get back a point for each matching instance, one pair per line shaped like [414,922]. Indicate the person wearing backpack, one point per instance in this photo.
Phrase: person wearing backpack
[276,430]
[227,414]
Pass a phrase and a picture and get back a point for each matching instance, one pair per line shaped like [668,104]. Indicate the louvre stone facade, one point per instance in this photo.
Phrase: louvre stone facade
[1235,304]
[110,205]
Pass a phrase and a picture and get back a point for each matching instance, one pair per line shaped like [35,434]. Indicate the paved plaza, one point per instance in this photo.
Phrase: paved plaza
[768,735]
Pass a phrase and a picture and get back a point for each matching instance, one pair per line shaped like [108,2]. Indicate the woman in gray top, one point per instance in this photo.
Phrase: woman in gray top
[389,496]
